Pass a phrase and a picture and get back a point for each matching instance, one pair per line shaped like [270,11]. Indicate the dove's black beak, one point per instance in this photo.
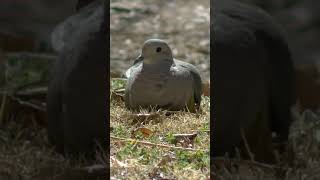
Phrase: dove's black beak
[139,59]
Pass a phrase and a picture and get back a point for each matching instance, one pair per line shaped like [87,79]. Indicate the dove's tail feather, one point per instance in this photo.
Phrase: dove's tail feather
[197,88]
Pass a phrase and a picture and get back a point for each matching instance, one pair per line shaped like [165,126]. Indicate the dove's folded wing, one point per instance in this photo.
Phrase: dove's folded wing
[196,78]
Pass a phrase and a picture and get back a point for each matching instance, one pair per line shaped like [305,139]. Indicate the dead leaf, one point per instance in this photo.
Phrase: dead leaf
[144,117]
[144,131]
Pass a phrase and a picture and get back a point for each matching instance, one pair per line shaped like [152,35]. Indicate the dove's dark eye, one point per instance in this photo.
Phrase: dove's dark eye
[158,49]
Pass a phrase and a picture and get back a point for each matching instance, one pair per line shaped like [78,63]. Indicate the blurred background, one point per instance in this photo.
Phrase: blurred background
[183,24]
[26,26]
[301,20]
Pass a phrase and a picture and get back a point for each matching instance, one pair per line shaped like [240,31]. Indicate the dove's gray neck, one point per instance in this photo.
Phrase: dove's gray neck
[162,65]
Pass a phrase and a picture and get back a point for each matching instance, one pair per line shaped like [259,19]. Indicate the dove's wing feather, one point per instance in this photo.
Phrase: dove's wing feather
[131,74]
[197,83]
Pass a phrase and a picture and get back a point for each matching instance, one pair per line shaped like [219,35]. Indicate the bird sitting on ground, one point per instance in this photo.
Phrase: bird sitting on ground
[158,80]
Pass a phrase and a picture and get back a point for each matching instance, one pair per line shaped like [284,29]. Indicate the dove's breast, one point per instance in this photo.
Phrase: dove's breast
[170,89]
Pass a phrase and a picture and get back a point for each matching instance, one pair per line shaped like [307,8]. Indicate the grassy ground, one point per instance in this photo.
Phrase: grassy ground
[156,145]
[26,154]
[299,160]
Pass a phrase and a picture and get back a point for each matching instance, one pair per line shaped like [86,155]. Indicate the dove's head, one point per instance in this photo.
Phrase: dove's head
[156,51]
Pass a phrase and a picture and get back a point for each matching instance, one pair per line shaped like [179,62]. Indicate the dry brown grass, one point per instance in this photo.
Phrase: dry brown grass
[300,160]
[131,159]
[26,154]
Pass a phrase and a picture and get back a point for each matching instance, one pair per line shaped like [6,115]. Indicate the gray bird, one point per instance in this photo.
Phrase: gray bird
[158,80]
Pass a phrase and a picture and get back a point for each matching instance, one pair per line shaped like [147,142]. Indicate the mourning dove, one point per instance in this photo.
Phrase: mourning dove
[77,100]
[158,80]
[253,81]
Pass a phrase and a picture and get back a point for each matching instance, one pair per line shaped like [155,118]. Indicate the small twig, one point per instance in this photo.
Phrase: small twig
[251,155]
[28,104]
[207,131]
[155,145]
